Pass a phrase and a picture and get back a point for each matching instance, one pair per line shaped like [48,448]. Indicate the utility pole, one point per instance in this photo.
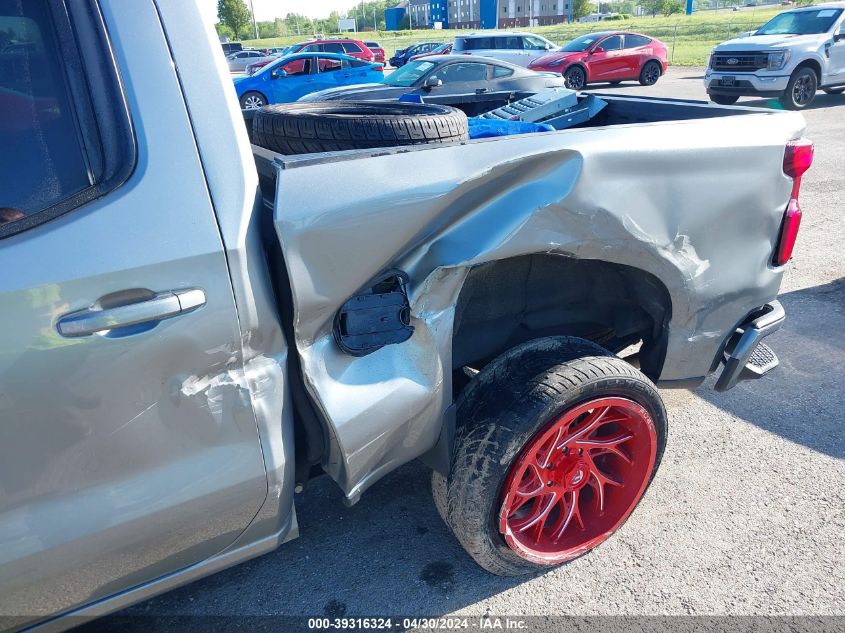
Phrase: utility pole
[254,25]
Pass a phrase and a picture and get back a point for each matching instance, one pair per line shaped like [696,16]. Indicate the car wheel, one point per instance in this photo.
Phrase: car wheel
[650,73]
[557,441]
[834,91]
[724,99]
[801,89]
[252,101]
[306,127]
[575,78]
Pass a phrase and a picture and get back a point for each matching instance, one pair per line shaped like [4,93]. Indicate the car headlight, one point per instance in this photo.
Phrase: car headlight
[556,62]
[777,60]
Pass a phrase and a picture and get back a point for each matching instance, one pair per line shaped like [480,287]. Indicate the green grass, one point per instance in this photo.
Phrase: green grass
[689,38]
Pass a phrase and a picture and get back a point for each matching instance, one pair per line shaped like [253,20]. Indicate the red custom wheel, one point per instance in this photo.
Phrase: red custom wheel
[577,480]
[557,440]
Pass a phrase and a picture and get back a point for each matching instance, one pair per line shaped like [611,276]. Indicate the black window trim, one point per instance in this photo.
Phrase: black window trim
[625,36]
[495,66]
[318,70]
[100,109]
[601,42]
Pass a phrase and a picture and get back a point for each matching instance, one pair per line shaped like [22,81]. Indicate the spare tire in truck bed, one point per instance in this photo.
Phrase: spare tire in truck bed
[302,128]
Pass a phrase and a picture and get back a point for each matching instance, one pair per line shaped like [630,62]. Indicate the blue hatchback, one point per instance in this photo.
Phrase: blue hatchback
[293,76]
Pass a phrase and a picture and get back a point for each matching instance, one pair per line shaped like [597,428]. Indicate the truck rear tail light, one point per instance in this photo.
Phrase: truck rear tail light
[796,161]
[788,233]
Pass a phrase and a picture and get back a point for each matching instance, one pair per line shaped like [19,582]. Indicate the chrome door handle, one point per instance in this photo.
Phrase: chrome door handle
[164,305]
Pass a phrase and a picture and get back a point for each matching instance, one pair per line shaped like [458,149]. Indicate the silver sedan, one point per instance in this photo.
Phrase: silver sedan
[240,60]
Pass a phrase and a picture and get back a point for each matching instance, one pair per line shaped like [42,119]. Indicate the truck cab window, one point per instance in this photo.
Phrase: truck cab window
[49,163]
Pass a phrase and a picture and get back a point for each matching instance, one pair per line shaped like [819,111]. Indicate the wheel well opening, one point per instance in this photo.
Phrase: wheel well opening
[814,65]
[508,302]
[656,61]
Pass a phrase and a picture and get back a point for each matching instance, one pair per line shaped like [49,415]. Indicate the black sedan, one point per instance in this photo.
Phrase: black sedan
[473,84]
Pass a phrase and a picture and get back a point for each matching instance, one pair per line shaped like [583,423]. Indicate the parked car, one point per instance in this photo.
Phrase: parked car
[231,47]
[253,68]
[517,48]
[612,56]
[272,54]
[194,328]
[240,60]
[790,58]
[290,77]
[447,80]
[443,49]
[339,46]
[402,55]
[377,50]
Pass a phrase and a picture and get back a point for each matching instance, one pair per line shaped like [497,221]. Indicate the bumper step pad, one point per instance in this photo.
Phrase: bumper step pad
[762,361]
[746,356]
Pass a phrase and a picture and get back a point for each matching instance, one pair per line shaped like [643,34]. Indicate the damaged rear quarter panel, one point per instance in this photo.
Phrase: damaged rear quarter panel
[696,203]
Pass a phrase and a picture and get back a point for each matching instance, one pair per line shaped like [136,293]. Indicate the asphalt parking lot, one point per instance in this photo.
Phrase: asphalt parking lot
[745,516]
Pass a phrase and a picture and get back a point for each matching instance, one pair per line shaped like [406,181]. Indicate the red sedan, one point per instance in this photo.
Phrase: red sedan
[378,51]
[341,46]
[610,56]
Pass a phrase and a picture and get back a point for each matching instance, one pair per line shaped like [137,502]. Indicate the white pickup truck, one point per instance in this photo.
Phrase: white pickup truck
[789,58]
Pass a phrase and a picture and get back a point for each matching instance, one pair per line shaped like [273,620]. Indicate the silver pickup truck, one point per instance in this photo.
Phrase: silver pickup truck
[194,327]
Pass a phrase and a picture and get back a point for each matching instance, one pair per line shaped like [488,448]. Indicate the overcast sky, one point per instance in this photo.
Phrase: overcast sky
[269,9]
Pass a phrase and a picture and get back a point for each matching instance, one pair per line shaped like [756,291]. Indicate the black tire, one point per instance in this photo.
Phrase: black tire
[724,99]
[253,100]
[575,78]
[302,128]
[650,73]
[834,91]
[801,89]
[502,409]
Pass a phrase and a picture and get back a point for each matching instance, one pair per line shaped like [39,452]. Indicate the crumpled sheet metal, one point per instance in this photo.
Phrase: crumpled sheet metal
[697,203]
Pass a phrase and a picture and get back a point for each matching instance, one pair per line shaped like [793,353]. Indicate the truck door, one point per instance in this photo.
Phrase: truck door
[128,444]
[836,53]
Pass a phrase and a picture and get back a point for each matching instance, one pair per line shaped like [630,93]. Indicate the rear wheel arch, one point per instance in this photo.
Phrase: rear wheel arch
[658,62]
[507,302]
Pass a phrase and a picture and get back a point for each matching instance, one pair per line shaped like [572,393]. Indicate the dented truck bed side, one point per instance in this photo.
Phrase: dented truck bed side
[694,205]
